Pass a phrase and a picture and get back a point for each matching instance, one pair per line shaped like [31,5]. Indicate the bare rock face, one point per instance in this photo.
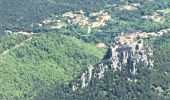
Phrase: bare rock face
[118,57]
[130,55]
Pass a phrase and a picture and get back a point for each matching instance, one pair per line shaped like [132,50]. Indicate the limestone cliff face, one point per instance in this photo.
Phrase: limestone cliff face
[118,57]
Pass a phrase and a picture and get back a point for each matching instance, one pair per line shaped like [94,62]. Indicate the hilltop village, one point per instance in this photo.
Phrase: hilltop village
[96,20]
[127,39]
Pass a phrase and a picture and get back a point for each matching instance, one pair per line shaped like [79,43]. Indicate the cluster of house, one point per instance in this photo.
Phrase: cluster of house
[127,39]
[74,18]
[80,19]
[102,18]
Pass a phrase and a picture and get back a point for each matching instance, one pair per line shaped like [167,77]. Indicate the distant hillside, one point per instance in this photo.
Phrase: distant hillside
[19,14]
[44,60]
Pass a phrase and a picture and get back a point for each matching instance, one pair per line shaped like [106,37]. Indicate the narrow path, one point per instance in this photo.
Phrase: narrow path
[16,46]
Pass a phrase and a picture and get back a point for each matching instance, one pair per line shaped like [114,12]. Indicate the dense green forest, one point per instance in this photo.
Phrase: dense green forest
[45,60]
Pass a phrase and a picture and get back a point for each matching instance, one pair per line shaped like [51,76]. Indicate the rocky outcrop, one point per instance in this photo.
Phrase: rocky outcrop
[118,57]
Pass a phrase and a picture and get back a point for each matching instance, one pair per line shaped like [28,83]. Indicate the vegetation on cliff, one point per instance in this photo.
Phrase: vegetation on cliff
[46,59]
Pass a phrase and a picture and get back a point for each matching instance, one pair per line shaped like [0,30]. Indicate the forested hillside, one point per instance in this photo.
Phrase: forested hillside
[44,60]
